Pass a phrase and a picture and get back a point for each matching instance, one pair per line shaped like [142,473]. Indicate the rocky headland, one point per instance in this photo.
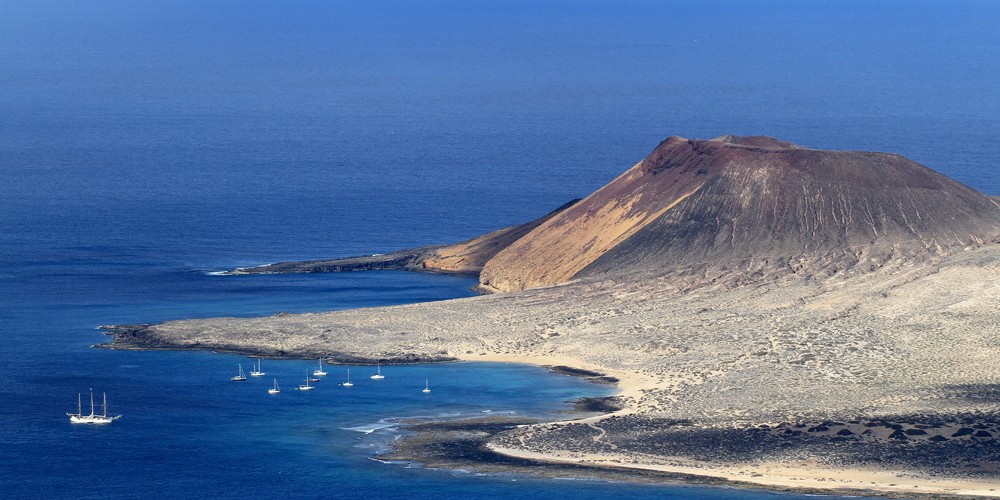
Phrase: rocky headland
[773,315]
[466,257]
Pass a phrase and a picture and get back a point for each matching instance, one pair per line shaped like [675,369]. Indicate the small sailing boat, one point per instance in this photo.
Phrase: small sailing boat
[427,387]
[378,371]
[240,377]
[348,383]
[275,389]
[306,387]
[256,369]
[93,418]
[319,371]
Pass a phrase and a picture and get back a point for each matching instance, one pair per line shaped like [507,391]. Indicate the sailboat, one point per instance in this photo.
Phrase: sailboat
[427,387]
[319,371]
[348,383]
[306,387]
[93,418]
[378,371]
[256,369]
[274,390]
[241,377]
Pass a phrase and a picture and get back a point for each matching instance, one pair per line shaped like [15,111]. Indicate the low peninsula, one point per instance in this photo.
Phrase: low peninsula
[774,315]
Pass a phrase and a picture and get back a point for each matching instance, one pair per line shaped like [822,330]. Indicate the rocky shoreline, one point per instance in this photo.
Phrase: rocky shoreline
[403,260]
[138,337]
[465,257]
[465,444]
[461,444]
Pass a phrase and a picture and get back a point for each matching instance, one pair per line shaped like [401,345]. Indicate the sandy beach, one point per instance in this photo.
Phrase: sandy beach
[808,477]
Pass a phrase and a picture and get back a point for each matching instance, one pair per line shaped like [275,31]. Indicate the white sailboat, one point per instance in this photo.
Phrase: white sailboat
[93,418]
[348,383]
[275,389]
[241,377]
[427,387]
[319,371]
[378,371]
[256,369]
[306,387]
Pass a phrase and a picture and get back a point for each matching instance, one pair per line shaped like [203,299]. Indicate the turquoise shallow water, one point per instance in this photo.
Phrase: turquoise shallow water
[144,145]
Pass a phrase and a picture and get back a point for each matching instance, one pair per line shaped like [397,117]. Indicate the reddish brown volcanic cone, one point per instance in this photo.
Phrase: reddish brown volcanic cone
[737,207]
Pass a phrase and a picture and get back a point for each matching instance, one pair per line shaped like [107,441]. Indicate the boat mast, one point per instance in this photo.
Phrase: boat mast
[91,402]
[105,405]
[79,404]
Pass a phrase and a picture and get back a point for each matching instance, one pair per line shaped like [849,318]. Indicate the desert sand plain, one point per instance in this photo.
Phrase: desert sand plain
[793,381]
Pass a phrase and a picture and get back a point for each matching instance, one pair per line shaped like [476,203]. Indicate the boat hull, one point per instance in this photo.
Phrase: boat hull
[86,419]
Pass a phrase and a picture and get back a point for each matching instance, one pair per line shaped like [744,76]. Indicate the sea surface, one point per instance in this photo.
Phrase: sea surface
[146,145]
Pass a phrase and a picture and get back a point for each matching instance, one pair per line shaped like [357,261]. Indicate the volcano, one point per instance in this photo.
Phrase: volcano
[738,208]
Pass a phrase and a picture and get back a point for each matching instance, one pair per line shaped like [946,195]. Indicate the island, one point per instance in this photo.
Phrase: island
[773,315]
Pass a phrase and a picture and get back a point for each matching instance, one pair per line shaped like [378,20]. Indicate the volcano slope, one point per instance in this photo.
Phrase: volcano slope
[740,207]
[775,315]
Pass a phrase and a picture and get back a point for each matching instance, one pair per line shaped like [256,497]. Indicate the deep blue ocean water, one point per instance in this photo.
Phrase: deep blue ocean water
[144,145]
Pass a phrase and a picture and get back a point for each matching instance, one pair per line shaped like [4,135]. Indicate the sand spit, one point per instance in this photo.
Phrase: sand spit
[773,383]
[802,477]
